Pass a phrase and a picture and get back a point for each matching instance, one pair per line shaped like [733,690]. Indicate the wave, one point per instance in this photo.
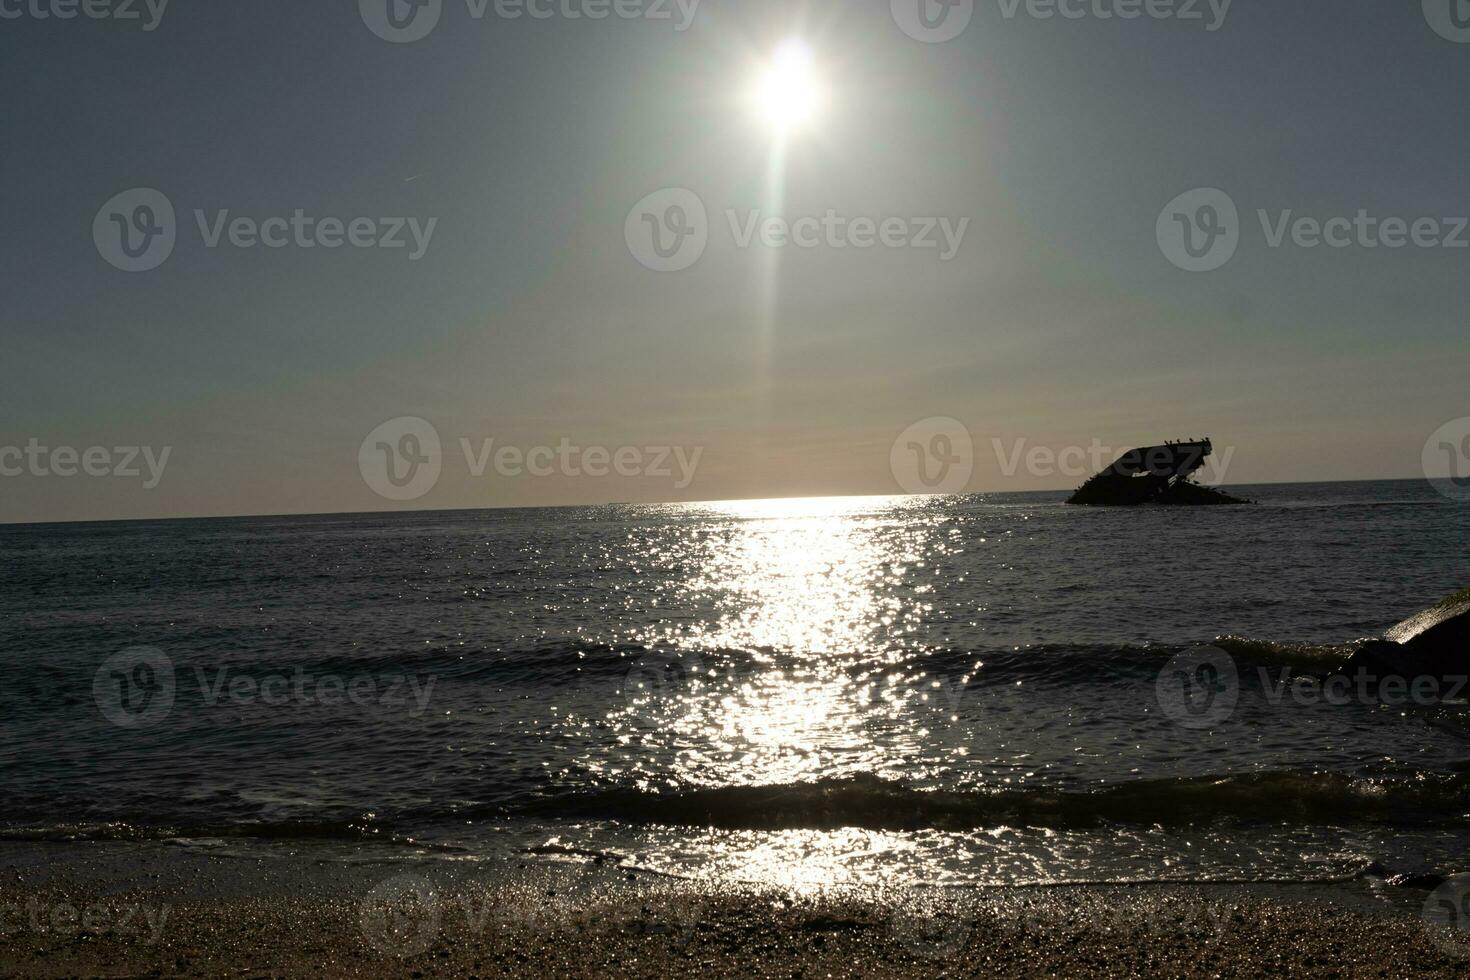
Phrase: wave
[362,831]
[863,801]
[567,661]
[140,831]
[872,803]
[1318,655]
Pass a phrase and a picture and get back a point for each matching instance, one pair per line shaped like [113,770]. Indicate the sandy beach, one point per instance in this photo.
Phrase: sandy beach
[110,911]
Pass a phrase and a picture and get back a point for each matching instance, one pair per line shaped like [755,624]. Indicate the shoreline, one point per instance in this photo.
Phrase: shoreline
[95,910]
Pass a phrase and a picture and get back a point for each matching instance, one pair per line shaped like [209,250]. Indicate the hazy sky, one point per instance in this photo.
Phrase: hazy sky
[527,319]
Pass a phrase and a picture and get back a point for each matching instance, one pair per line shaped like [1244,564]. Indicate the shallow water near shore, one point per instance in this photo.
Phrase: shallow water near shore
[954,691]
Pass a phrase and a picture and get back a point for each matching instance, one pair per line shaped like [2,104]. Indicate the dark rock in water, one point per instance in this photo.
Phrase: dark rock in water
[1445,623]
[1434,643]
[1153,475]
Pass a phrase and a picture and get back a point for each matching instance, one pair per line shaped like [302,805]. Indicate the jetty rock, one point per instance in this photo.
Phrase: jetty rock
[1432,643]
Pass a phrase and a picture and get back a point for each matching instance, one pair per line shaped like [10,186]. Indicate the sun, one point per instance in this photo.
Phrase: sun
[787,94]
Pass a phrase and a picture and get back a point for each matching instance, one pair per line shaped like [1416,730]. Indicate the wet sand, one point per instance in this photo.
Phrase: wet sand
[100,910]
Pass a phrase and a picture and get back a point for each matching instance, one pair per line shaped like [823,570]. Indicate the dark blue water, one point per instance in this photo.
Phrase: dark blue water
[957,689]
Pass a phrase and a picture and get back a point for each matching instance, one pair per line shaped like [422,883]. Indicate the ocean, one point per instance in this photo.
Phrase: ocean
[972,690]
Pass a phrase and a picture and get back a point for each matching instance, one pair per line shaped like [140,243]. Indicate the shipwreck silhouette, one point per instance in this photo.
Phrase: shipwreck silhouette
[1153,475]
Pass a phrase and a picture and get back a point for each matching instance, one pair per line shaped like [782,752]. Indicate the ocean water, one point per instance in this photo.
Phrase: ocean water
[964,690]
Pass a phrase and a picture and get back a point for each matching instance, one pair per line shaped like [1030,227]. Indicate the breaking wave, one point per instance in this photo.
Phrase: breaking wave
[872,803]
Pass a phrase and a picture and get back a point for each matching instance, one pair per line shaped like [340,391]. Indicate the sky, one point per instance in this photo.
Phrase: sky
[528,329]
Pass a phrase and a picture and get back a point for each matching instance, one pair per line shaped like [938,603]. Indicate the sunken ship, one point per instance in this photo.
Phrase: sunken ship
[1153,475]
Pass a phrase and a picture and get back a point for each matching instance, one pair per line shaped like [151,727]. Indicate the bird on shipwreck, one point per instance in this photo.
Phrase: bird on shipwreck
[1153,475]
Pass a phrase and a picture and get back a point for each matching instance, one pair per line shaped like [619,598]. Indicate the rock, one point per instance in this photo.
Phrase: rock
[1441,624]
[1433,643]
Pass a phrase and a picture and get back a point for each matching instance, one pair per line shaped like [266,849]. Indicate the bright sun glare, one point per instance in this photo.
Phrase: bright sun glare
[788,93]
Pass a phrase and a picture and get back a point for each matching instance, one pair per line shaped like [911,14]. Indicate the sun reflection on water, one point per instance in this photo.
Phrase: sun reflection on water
[805,604]
[809,576]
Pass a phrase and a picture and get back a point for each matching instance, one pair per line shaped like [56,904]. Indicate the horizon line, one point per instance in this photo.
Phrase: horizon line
[618,503]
